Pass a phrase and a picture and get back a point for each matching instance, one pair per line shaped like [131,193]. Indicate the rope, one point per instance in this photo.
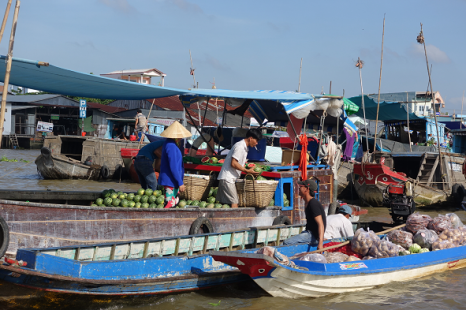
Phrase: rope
[14,170]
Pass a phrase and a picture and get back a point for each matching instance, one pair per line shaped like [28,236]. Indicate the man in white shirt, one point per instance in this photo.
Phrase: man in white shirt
[233,166]
[339,225]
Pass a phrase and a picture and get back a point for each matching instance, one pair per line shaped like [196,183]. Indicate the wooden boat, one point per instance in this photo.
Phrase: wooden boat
[151,266]
[311,279]
[61,167]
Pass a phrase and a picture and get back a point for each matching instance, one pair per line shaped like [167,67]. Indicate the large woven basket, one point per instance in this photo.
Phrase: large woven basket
[252,193]
[196,186]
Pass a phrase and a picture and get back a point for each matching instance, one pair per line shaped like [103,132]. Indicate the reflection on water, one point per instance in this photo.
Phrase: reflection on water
[439,291]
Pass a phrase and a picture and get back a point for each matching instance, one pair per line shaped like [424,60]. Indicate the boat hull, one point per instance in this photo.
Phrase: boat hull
[309,279]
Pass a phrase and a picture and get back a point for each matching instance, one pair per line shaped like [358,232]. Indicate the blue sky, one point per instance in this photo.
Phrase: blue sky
[248,45]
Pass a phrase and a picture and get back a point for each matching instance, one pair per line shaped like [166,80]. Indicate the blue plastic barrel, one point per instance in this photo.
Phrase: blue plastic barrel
[253,154]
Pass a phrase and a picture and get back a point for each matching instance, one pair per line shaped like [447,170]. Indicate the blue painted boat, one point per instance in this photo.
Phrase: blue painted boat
[312,279]
[152,266]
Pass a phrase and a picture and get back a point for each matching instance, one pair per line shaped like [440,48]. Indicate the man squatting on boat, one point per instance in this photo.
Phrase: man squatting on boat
[233,166]
[315,217]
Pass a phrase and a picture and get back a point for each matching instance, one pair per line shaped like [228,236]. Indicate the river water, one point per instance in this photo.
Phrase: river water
[440,291]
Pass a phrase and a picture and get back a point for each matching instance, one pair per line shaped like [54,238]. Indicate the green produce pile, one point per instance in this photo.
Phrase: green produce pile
[210,203]
[145,199]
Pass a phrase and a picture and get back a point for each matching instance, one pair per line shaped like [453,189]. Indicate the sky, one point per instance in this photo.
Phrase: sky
[252,45]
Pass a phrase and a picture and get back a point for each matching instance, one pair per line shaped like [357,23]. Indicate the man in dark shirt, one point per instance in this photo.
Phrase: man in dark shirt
[315,216]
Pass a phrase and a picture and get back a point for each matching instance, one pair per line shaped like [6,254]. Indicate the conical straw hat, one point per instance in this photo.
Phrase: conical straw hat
[176,131]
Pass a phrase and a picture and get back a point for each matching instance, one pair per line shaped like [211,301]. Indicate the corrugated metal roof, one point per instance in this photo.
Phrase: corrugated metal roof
[31,98]
[104,107]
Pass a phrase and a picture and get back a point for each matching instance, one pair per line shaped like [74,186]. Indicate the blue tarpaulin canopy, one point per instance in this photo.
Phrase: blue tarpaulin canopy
[388,111]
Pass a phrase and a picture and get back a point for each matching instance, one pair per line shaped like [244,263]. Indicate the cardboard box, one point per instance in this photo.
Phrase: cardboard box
[287,154]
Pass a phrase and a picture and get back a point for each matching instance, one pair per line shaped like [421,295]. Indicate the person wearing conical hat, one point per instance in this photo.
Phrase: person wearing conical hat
[172,169]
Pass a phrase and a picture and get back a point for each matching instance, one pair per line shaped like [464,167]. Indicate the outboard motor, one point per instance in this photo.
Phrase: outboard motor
[399,199]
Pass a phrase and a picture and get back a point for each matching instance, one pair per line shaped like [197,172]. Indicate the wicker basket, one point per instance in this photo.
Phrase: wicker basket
[196,186]
[252,193]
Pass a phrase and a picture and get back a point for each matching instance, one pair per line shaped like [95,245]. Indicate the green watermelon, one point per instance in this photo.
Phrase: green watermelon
[137,205]
[144,199]
[160,199]
[108,201]
[182,203]
[259,178]
[195,203]
[272,203]
[211,192]
[152,206]
[114,196]
[130,196]
[189,202]
[120,193]
[218,205]
[213,160]
[145,205]
[141,191]
[94,205]
[122,196]
[137,198]
[148,192]
[286,203]
[160,206]
[225,206]
[215,192]
[104,192]
[202,204]
[157,193]
[285,197]
[152,199]
[258,169]
[211,200]
[210,206]
[125,203]
[116,202]
[131,204]
[99,201]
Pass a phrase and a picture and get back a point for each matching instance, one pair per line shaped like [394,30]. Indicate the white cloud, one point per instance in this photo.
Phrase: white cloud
[433,52]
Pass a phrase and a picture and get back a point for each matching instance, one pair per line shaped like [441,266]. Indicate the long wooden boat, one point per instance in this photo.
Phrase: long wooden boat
[61,167]
[151,266]
[311,279]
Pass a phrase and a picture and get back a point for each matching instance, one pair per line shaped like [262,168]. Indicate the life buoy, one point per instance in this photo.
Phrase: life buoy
[281,220]
[4,237]
[104,172]
[332,208]
[201,225]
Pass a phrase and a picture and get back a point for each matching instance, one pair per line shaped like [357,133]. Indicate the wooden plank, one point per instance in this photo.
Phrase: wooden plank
[432,172]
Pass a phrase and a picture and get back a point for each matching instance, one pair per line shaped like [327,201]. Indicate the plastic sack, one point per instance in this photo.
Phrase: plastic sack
[403,238]
[455,236]
[335,257]
[417,221]
[315,257]
[362,241]
[383,249]
[440,223]
[455,220]
[352,259]
[442,245]
[425,238]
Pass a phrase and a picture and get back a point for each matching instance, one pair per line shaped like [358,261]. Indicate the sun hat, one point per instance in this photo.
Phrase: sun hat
[175,131]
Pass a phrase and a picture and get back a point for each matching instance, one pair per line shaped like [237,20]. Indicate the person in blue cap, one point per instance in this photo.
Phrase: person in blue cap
[339,225]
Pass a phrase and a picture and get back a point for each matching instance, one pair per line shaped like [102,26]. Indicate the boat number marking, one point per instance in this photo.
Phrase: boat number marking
[352,266]
[240,263]
[261,270]
[369,175]
[452,264]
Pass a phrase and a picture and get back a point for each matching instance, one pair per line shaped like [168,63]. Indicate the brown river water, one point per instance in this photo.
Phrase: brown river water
[439,291]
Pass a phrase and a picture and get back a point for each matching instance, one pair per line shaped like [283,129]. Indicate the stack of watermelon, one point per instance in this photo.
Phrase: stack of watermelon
[210,203]
[206,160]
[141,199]
[258,168]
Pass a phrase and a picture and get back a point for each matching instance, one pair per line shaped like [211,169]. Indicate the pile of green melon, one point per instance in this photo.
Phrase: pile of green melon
[144,199]
[210,203]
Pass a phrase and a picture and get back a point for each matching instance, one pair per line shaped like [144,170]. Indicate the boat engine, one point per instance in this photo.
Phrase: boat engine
[399,199]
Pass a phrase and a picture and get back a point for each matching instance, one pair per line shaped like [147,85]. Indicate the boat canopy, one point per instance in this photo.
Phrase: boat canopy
[388,111]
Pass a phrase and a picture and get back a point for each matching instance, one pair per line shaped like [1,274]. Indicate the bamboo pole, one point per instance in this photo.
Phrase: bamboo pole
[407,122]
[461,121]
[359,64]
[423,42]
[5,18]
[6,81]
[380,82]
[147,124]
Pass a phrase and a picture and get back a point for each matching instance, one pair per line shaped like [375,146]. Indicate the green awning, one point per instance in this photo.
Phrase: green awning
[350,107]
